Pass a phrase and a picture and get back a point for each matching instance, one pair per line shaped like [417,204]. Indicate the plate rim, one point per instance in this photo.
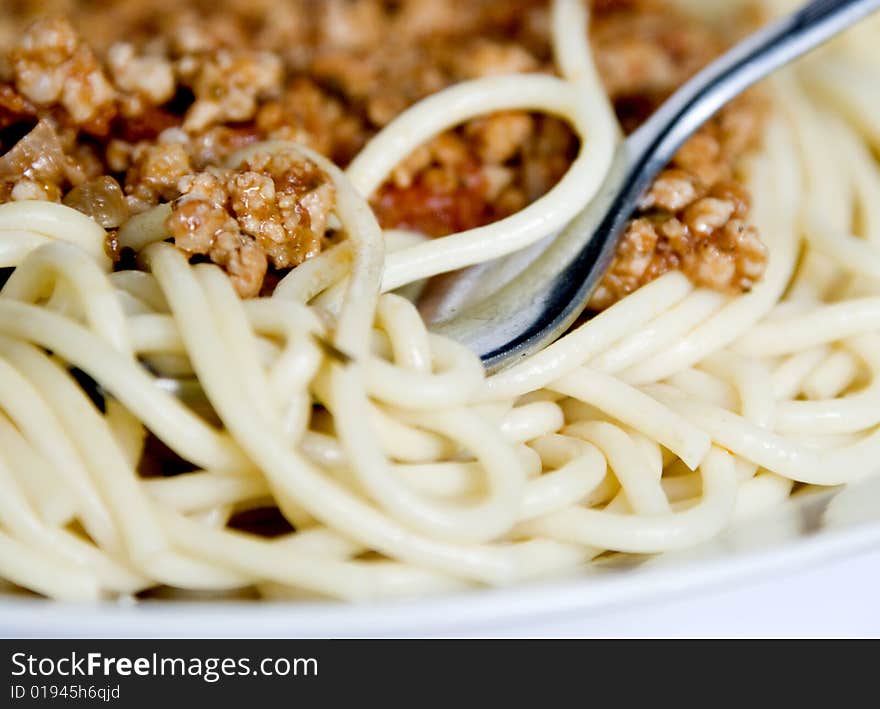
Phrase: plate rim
[457,614]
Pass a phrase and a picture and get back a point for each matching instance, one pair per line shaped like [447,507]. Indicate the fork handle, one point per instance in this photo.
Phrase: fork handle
[747,63]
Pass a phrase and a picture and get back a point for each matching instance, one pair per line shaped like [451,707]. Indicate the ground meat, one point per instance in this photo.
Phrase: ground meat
[283,200]
[192,32]
[272,209]
[694,216]
[154,174]
[216,144]
[169,89]
[485,57]
[498,138]
[706,238]
[53,65]
[672,190]
[227,85]
[146,80]
[311,115]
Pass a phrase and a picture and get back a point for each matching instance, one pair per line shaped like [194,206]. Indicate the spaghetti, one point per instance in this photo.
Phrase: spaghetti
[401,468]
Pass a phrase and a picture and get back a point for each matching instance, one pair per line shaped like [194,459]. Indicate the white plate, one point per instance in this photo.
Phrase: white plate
[801,535]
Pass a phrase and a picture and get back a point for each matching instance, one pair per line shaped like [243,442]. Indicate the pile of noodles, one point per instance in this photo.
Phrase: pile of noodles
[402,468]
